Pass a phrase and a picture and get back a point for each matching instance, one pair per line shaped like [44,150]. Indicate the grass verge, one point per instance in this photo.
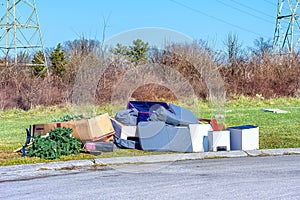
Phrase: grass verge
[275,130]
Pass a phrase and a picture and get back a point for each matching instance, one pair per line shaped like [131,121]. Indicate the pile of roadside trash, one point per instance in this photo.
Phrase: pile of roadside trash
[154,126]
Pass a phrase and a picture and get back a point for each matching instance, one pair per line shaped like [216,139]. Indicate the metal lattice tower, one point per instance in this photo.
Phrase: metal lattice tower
[287,31]
[20,36]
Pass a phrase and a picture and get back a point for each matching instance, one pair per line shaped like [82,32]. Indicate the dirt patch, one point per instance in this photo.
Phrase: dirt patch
[6,156]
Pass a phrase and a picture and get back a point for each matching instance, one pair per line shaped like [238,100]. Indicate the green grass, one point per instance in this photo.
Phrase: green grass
[275,130]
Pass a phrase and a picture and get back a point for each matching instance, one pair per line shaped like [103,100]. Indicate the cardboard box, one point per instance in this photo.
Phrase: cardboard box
[245,137]
[100,126]
[219,140]
[44,129]
[81,130]
[96,128]
[39,129]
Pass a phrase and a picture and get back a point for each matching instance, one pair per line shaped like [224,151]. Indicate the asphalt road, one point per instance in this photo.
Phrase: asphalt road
[272,177]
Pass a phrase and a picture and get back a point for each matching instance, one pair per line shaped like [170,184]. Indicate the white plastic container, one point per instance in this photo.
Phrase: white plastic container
[245,137]
[198,131]
[219,140]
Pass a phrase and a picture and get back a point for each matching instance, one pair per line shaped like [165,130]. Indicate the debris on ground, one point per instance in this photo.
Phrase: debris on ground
[142,125]
[276,110]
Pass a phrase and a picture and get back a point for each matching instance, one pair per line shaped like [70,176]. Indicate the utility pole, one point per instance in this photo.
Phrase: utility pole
[287,31]
[20,34]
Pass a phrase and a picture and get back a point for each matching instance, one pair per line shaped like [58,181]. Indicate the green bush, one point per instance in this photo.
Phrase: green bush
[67,118]
[58,143]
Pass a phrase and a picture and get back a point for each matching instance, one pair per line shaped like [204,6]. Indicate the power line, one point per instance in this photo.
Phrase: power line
[272,3]
[244,12]
[253,9]
[269,2]
[216,18]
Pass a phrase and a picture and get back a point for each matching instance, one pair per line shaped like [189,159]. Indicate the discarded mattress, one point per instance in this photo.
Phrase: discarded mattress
[159,136]
[178,116]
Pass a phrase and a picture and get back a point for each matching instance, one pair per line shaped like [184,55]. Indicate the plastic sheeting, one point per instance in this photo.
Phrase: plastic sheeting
[127,117]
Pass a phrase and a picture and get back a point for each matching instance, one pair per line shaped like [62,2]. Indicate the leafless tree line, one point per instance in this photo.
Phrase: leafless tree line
[194,66]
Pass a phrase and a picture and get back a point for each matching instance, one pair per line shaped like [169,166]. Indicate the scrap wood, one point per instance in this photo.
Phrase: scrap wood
[204,120]
[92,152]
[19,149]
[30,142]
[213,122]
[104,137]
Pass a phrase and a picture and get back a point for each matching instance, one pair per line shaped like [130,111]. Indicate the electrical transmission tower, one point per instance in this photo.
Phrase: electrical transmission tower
[287,31]
[20,36]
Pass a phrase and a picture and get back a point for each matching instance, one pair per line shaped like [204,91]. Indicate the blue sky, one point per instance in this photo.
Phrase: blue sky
[210,20]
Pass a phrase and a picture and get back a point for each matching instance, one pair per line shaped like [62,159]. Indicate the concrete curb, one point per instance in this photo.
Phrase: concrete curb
[28,171]
[273,152]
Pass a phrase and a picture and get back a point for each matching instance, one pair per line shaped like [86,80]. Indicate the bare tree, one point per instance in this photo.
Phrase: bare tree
[233,48]
[262,47]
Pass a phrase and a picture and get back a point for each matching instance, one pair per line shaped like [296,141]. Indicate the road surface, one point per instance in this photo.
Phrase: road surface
[273,177]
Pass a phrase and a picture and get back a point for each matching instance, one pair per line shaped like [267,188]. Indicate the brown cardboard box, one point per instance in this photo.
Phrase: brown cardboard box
[99,127]
[44,129]
[82,130]
[96,128]
[41,129]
